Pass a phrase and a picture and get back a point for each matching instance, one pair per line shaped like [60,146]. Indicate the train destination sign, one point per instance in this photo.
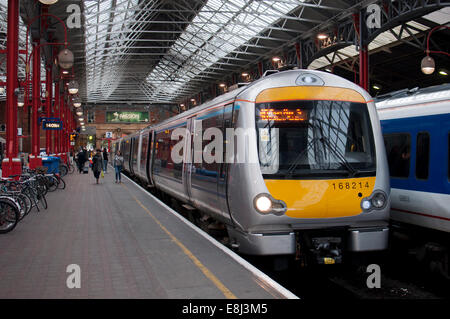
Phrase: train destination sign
[283,115]
[126,117]
[52,125]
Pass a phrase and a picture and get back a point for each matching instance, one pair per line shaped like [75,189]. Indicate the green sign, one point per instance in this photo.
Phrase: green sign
[126,117]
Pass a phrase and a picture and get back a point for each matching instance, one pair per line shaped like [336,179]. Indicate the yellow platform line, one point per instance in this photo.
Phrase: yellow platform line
[226,292]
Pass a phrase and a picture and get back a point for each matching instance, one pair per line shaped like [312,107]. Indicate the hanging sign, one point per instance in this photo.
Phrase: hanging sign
[52,125]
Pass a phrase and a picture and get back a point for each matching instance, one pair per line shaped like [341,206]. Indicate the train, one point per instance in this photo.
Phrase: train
[416,130]
[291,164]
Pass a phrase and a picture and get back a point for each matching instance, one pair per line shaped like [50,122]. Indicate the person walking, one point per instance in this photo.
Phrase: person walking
[97,164]
[105,160]
[81,159]
[118,164]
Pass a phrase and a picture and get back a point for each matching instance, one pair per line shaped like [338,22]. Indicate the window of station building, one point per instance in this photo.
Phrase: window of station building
[422,155]
[91,116]
[398,150]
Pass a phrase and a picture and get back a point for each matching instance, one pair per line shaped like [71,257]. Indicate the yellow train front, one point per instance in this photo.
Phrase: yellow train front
[309,173]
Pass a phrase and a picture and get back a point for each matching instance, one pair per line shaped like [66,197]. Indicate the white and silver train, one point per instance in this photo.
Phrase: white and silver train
[416,129]
[299,165]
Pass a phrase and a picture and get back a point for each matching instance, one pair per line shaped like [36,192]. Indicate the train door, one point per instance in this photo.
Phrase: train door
[150,158]
[187,158]
[227,123]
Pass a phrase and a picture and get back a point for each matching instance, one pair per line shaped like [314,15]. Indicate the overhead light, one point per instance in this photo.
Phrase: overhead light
[276,59]
[427,65]
[322,36]
[182,104]
[328,70]
[65,59]
[443,72]
[376,87]
[73,87]
[48,1]
[65,72]
[77,104]
[79,113]
[244,74]
[192,100]
[222,85]
[2,90]
[20,100]
[81,119]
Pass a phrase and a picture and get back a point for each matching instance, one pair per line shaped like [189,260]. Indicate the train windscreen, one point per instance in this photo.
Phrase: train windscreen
[313,139]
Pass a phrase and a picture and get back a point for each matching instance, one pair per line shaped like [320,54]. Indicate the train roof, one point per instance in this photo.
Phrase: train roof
[414,102]
[413,96]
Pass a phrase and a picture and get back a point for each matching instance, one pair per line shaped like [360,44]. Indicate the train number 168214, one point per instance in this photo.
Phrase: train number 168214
[350,185]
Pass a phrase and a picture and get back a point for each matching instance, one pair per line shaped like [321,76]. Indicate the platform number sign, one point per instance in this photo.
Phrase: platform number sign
[108,134]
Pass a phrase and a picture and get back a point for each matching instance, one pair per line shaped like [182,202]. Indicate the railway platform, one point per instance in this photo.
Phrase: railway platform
[121,242]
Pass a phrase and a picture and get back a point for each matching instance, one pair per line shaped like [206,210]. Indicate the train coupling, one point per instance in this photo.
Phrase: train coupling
[327,250]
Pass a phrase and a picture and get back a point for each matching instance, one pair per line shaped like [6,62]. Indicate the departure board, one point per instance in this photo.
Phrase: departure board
[283,115]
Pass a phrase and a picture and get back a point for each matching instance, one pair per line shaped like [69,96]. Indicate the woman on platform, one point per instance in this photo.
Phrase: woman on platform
[118,164]
[97,164]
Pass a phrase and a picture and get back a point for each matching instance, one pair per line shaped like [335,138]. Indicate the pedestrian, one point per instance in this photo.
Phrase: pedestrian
[118,164]
[105,160]
[97,164]
[81,159]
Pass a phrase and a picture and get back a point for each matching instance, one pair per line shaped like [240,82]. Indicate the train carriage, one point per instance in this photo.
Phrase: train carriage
[292,161]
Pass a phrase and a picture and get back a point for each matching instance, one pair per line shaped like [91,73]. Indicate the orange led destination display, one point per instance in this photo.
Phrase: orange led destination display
[283,115]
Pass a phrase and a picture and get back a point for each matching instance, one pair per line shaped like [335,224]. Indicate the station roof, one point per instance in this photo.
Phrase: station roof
[164,51]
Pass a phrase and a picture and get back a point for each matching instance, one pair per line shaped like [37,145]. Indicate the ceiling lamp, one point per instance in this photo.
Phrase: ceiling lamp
[65,72]
[73,87]
[48,1]
[276,59]
[79,113]
[76,101]
[65,59]
[2,90]
[20,100]
[443,72]
[322,36]
[222,85]
[427,65]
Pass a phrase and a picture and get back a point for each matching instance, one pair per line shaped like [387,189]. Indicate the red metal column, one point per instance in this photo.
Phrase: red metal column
[364,67]
[48,106]
[55,114]
[298,52]
[35,135]
[11,163]
[60,116]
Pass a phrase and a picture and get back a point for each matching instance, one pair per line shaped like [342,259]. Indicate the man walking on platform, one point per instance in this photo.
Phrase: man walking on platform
[105,160]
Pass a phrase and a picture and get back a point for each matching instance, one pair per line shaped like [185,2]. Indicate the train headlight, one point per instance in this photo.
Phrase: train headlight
[266,204]
[378,200]
[365,204]
[263,203]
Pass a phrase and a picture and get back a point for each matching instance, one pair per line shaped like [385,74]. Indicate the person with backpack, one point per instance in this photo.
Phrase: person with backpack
[97,164]
[118,164]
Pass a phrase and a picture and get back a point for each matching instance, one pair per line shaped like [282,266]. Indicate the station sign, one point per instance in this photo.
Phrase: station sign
[126,117]
[52,125]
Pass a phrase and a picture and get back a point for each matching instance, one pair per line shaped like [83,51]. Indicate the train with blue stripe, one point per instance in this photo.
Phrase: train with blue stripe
[416,132]
[291,164]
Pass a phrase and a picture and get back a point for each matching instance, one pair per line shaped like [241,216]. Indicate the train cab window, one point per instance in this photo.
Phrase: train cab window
[422,155]
[398,150]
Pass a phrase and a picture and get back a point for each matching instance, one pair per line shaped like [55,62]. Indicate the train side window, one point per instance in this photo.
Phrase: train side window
[422,155]
[398,150]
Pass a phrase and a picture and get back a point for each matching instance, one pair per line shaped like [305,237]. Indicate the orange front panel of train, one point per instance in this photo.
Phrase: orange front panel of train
[321,198]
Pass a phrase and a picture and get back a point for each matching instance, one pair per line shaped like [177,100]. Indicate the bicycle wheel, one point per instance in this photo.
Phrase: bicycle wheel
[71,169]
[42,200]
[22,206]
[28,202]
[62,183]
[9,216]
[52,183]
[63,169]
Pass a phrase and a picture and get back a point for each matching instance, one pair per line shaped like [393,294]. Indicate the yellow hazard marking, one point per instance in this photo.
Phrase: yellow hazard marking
[227,293]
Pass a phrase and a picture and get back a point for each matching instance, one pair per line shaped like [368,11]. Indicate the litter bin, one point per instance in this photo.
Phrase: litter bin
[52,163]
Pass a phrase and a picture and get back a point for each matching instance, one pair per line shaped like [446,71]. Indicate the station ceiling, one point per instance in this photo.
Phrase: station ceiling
[164,51]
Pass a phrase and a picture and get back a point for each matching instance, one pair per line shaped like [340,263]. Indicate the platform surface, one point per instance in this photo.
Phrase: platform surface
[126,244]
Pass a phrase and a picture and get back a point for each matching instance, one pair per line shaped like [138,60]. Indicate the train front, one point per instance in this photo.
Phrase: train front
[321,181]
